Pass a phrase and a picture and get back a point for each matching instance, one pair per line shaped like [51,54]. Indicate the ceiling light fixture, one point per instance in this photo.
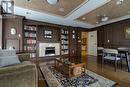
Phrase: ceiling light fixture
[119,2]
[104,18]
[52,2]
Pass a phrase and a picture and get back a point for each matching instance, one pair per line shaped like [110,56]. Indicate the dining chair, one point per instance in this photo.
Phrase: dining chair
[111,55]
[100,51]
[124,55]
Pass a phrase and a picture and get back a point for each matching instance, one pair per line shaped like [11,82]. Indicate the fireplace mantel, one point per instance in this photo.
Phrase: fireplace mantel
[43,46]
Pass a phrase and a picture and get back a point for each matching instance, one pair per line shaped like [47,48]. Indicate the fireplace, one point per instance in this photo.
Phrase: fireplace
[49,51]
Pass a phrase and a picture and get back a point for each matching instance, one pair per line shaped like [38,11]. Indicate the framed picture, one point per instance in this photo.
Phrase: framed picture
[127,32]
[48,34]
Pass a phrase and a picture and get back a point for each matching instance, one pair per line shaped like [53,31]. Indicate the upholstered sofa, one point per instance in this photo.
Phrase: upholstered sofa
[23,74]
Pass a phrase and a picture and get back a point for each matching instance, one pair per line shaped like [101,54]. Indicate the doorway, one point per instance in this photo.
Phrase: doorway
[84,42]
[92,43]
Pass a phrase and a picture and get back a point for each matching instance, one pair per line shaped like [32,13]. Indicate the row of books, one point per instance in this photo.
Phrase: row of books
[64,42]
[32,28]
[64,47]
[29,48]
[30,41]
[28,34]
[64,52]
[64,31]
[32,54]
[64,37]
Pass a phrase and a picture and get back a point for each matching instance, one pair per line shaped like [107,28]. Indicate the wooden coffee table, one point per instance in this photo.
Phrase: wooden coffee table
[69,69]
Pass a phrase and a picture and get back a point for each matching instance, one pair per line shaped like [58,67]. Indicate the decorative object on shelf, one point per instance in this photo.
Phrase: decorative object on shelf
[73,34]
[127,32]
[52,2]
[13,31]
[48,34]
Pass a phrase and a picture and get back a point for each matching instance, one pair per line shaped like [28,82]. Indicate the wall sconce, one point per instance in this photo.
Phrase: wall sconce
[19,35]
[108,41]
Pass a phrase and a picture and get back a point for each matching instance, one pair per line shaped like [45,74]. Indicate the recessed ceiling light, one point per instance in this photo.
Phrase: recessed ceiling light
[52,2]
[61,9]
[83,18]
[29,0]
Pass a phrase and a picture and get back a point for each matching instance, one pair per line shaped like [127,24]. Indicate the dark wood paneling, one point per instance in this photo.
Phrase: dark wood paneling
[16,23]
[73,42]
[114,32]
[55,34]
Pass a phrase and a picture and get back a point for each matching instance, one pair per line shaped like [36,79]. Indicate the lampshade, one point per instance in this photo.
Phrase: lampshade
[52,2]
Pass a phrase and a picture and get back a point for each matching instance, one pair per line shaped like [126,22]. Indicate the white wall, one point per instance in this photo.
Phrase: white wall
[92,43]
[0,31]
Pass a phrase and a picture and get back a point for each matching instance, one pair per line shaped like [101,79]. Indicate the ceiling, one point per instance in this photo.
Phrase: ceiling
[72,12]
[62,8]
[111,10]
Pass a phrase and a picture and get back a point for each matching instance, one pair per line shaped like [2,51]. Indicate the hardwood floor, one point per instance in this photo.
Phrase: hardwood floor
[122,77]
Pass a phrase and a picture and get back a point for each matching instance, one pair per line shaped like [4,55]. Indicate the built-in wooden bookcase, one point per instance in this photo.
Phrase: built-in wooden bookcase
[30,39]
[64,42]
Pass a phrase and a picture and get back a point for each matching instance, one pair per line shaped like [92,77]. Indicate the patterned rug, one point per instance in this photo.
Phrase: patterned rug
[90,79]
[80,81]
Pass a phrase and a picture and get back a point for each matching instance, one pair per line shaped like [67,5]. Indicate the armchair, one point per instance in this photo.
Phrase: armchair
[23,74]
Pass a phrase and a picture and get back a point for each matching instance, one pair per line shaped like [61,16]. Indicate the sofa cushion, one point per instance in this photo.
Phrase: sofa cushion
[24,57]
[9,60]
[5,53]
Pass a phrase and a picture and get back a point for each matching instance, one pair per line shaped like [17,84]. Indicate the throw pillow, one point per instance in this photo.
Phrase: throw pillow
[9,60]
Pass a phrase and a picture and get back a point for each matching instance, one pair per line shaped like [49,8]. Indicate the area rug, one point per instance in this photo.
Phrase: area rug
[90,79]
[83,80]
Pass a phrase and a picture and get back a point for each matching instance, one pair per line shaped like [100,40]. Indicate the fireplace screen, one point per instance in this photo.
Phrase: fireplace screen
[50,51]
